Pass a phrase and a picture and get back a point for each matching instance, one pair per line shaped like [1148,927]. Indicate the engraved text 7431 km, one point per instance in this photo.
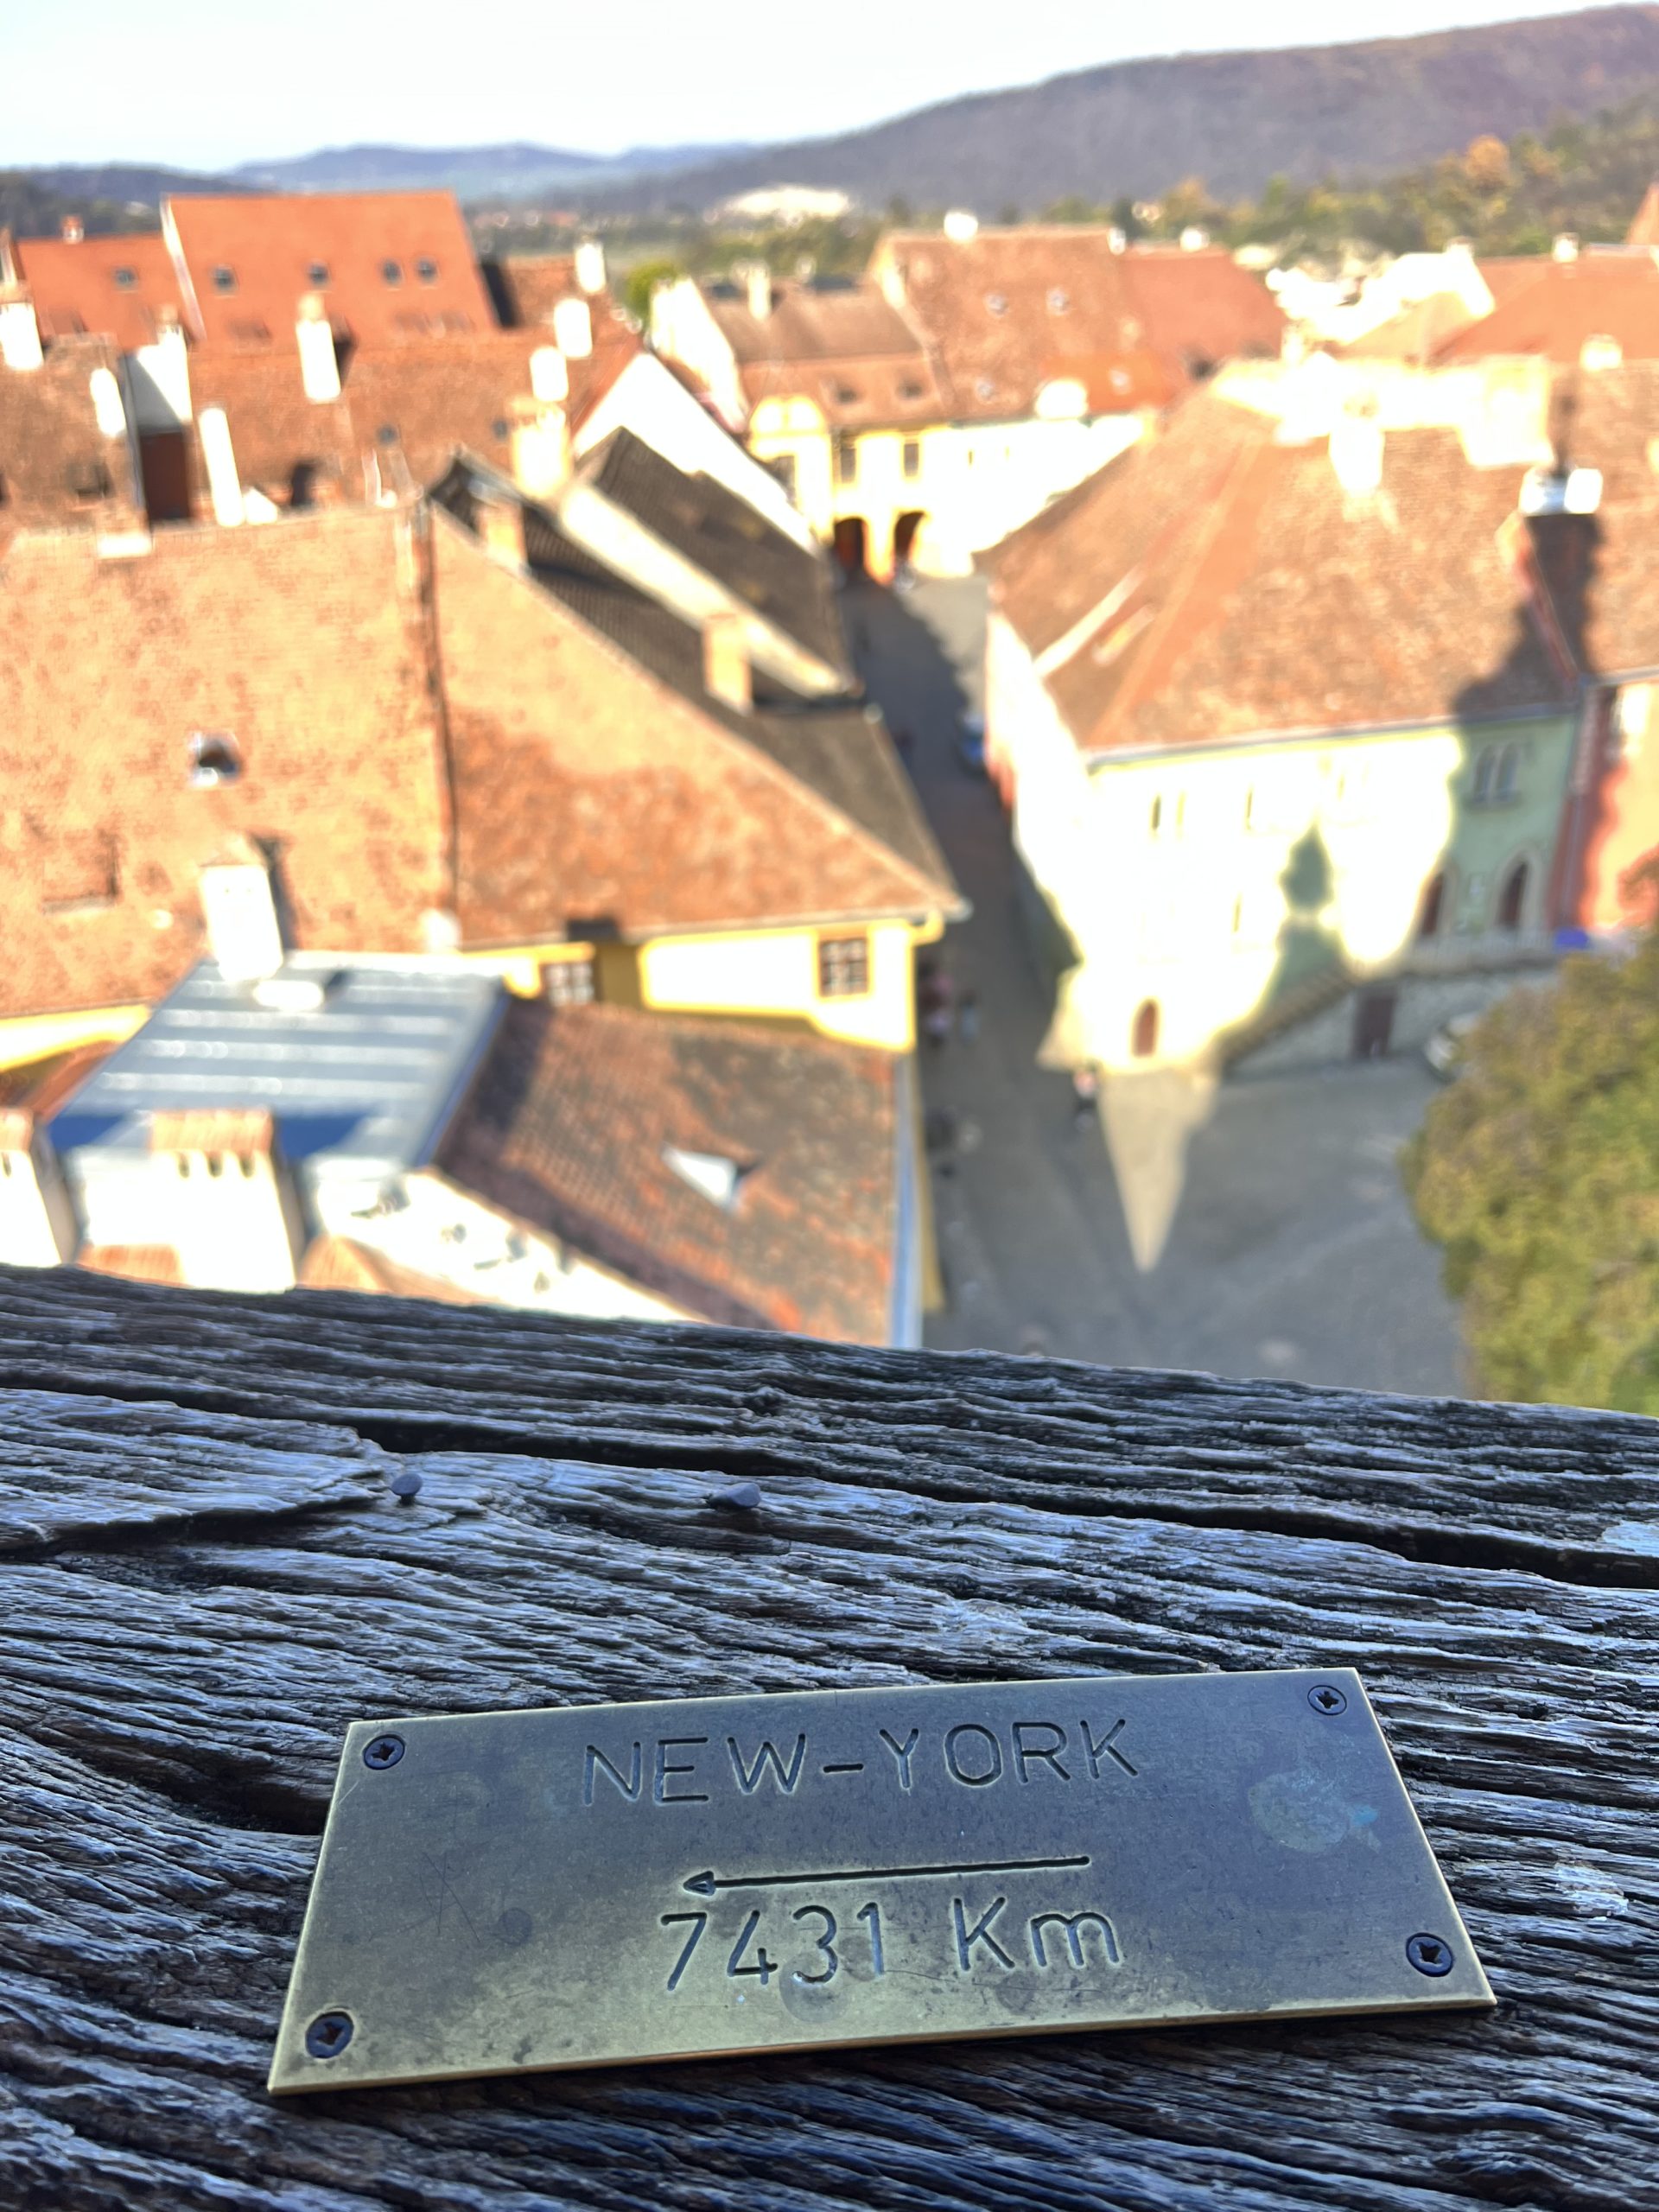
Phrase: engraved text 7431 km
[510,1890]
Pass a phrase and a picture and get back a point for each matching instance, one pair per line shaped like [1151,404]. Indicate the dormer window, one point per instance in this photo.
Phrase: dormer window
[224,279]
[392,272]
[126,279]
[427,270]
[213,759]
[317,273]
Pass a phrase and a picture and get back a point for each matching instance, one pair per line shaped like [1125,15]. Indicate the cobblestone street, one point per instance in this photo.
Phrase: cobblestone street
[1291,1251]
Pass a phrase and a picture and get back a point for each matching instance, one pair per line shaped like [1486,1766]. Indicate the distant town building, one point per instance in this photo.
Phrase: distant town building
[1285,732]
[920,413]
[788,205]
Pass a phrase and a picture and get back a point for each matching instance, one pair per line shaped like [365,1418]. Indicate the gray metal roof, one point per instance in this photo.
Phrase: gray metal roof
[360,1086]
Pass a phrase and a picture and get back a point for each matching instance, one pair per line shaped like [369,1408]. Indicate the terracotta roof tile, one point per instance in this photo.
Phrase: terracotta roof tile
[122,288]
[58,471]
[275,248]
[570,1123]
[1189,589]
[1009,311]
[841,345]
[1552,308]
[1600,567]
[340,1263]
[137,1263]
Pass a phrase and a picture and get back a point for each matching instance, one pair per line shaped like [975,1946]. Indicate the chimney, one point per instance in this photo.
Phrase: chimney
[319,362]
[108,406]
[590,266]
[573,329]
[1117,240]
[73,230]
[758,279]
[232,1208]
[240,908]
[726,673]
[37,1222]
[217,452]
[500,523]
[960,226]
[540,453]
[1565,246]
[550,376]
[20,333]
[1356,455]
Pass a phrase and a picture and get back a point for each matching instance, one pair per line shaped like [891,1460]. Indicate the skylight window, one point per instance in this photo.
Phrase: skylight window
[224,279]
[126,279]
[213,759]
[985,387]
[392,272]
[427,270]
[996,303]
[1059,303]
[317,273]
[711,1174]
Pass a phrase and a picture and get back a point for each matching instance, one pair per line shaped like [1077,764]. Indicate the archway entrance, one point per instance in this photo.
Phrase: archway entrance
[1512,906]
[852,544]
[1143,1038]
[905,529]
[1429,913]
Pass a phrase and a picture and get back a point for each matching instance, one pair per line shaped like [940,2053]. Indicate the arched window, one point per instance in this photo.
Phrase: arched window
[1512,904]
[1429,914]
[1485,769]
[1157,818]
[1509,761]
[1143,1039]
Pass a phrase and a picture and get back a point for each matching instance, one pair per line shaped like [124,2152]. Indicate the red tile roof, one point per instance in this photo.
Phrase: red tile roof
[1008,311]
[137,1263]
[340,1263]
[275,250]
[507,761]
[841,345]
[122,289]
[58,471]
[1194,585]
[570,1122]
[1644,225]
[1551,307]
[1600,567]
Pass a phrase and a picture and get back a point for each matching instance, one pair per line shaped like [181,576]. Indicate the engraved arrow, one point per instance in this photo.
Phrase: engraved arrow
[705,1884]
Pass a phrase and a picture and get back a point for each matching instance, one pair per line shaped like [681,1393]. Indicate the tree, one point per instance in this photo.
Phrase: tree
[1486,164]
[641,282]
[1537,1173]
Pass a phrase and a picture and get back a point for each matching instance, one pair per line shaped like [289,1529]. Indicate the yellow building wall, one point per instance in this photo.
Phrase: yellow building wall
[777,975]
[37,1036]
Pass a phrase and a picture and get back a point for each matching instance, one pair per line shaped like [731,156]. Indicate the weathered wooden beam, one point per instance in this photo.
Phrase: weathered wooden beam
[196,1595]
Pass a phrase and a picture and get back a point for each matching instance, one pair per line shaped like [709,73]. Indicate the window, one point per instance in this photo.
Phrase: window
[912,459]
[846,461]
[213,759]
[317,273]
[985,387]
[996,303]
[224,279]
[782,466]
[392,272]
[1495,772]
[843,967]
[427,270]
[1058,303]
[1156,821]
[86,481]
[1143,1037]
[1509,761]
[571,982]
[126,279]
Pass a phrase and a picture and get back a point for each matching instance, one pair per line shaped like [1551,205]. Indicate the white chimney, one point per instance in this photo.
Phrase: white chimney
[960,226]
[107,404]
[1117,240]
[19,334]
[1356,455]
[550,376]
[500,522]
[243,934]
[220,454]
[73,230]
[726,672]
[590,266]
[573,329]
[225,1197]
[319,362]
[37,1221]
[1565,247]
[541,458]
[758,278]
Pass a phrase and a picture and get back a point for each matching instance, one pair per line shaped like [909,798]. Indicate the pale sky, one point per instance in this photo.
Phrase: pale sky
[199,84]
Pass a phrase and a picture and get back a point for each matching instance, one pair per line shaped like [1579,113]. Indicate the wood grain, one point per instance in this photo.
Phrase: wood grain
[204,1574]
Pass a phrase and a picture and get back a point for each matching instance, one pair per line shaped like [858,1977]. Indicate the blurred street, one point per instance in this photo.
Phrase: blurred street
[1291,1251]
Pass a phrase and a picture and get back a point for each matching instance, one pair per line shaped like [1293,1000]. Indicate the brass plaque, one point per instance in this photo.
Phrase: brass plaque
[566,1887]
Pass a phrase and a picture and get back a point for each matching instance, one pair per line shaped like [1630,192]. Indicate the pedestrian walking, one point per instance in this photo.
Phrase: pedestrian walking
[1085,1090]
[968,1018]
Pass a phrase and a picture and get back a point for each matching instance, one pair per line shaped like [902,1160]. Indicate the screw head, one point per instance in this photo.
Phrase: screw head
[405,1486]
[1430,1954]
[328,2034]
[1326,1697]
[382,1751]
